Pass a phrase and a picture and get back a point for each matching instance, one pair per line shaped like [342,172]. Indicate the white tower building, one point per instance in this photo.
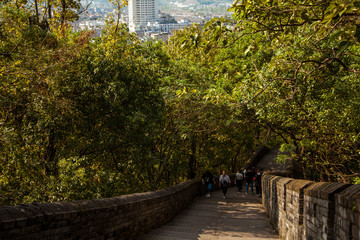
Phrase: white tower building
[141,12]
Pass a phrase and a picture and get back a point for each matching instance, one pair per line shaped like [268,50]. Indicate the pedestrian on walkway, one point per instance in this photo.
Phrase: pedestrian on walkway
[208,180]
[259,175]
[249,176]
[239,180]
[224,182]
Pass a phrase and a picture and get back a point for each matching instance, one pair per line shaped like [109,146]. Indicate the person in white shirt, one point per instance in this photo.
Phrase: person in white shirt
[224,182]
[239,180]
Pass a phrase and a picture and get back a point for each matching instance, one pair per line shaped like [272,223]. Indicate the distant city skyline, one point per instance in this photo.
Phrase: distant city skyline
[106,3]
[150,19]
[141,12]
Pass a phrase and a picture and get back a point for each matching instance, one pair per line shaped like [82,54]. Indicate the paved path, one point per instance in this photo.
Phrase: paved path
[268,162]
[240,216]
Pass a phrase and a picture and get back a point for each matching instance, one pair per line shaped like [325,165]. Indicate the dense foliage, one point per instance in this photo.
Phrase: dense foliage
[311,82]
[85,117]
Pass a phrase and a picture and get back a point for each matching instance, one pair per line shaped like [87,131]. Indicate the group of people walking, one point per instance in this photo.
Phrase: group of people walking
[251,176]
[224,181]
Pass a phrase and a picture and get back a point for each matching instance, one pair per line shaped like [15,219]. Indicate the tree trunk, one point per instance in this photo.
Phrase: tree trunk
[234,160]
[37,12]
[49,157]
[192,159]
[63,13]
[49,9]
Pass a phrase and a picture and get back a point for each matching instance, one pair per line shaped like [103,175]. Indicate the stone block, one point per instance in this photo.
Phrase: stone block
[281,186]
[355,232]
[33,212]
[341,234]
[298,185]
[347,212]
[325,190]
[349,197]
[6,220]
[18,216]
[57,211]
[29,237]
[356,219]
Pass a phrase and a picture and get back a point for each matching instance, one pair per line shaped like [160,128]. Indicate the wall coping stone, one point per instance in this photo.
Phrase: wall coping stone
[275,178]
[350,198]
[298,185]
[285,180]
[269,177]
[285,173]
[325,190]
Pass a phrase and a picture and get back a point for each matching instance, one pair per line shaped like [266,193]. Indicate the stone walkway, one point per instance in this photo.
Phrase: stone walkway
[268,162]
[240,216]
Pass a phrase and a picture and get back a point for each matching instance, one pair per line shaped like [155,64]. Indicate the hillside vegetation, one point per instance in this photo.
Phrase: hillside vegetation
[85,117]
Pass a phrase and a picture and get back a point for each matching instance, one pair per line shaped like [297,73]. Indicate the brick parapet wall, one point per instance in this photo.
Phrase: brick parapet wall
[282,206]
[320,209]
[300,209]
[123,217]
[347,214]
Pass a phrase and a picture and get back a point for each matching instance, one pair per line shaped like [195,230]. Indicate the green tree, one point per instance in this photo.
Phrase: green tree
[310,83]
[79,115]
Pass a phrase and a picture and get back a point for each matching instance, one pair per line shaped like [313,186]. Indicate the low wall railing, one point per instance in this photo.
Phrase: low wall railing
[122,217]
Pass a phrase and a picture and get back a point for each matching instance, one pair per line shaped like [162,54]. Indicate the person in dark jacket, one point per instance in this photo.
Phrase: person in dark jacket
[249,178]
[208,180]
[258,177]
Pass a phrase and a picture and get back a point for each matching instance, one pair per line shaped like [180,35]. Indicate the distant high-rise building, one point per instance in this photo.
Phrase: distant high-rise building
[141,12]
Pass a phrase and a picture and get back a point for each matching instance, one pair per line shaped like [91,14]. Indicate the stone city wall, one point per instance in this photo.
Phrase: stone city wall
[123,217]
[300,209]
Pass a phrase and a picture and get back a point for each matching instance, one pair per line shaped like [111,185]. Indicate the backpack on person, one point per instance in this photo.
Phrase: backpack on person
[207,180]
